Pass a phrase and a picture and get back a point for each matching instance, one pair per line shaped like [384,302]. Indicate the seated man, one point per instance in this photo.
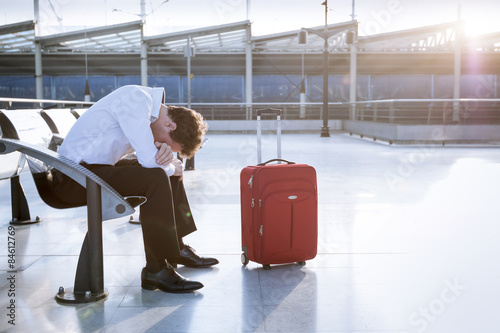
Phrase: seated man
[134,119]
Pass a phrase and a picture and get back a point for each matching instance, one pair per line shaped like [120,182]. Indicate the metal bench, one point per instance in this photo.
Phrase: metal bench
[60,121]
[103,202]
[78,112]
[30,128]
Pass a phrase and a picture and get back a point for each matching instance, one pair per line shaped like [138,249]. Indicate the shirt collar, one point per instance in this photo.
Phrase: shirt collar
[158,95]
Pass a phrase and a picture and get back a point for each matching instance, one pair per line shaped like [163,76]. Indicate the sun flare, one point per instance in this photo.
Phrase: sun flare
[475,27]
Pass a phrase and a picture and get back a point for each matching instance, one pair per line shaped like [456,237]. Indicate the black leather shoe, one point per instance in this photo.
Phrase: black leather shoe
[168,280]
[189,258]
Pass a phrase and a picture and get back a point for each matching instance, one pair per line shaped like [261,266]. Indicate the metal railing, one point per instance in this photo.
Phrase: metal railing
[9,102]
[428,111]
[401,111]
[244,111]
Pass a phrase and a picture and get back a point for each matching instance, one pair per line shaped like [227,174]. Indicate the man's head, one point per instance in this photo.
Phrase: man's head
[181,128]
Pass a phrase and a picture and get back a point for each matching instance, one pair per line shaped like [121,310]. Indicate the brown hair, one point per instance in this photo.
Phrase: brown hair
[190,130]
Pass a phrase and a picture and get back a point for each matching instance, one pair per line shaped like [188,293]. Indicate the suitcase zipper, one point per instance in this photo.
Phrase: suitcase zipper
[291,226]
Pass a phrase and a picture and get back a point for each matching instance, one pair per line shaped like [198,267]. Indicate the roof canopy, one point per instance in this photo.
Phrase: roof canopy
[234,38]
[223,38]
[112,38]
[17,37]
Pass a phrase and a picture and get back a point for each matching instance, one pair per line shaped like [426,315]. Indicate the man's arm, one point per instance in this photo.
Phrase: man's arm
[133,113]
[165,154]
[179,168]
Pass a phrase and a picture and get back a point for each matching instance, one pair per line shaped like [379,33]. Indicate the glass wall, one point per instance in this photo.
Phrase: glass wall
[73,87]
[338,88]
[266,88]
[364,88]
[443,86]
[23,86]
[172,85]
[276,88]
[214,89]
[124,80]
[401,86]
[478,86]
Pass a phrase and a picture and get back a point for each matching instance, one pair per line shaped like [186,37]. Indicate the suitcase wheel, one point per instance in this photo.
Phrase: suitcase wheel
[301,262]
[244,259]
[267,267]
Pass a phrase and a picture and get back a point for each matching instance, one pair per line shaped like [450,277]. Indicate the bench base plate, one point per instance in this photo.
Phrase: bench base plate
[25,222]
[70,297]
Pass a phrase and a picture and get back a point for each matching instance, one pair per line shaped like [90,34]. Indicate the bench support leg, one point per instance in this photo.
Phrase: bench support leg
[189,164]
[89,278]
[20,208]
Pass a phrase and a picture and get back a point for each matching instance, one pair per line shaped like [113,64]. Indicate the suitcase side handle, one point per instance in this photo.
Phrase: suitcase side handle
[276,160]
[276,112]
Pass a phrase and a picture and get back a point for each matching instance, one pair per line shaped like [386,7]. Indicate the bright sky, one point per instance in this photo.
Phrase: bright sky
[267,16]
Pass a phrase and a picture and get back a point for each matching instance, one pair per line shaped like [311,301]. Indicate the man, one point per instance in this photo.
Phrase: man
[133,119]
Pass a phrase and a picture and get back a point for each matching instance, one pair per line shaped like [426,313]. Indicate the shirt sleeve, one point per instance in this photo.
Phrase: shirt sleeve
[132,111]
[170,170]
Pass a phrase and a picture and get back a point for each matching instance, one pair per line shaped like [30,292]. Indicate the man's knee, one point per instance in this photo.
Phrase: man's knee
[155,178]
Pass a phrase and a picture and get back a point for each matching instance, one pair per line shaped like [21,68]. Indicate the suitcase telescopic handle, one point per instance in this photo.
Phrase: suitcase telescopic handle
[277,113]
[276,160]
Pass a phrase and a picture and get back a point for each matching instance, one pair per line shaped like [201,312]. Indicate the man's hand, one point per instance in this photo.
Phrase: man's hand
[179,168]
[165,155]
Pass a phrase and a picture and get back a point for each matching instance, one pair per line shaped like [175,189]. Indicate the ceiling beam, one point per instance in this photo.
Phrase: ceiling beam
[57,39]
[17,27]
[162,39]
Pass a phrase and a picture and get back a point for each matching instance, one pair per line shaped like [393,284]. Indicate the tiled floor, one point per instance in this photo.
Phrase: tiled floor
[408,242]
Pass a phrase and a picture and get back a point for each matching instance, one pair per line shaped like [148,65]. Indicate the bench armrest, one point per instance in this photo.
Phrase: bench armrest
[113,204]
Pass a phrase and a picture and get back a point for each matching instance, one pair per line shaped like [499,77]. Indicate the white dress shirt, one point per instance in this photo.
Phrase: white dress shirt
[115,126]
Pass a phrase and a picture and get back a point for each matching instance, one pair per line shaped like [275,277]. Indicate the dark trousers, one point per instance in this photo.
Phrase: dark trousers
[165,216]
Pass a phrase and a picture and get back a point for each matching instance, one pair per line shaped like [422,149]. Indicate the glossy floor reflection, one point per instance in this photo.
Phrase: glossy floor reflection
[408,240]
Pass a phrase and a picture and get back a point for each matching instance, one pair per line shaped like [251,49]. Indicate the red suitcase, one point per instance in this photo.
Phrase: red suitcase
[279,209]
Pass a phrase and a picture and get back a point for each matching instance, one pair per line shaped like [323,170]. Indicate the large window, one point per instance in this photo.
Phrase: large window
[478,86]
[124,80]
[338,88]
[23,86]
[101,86]
[363,88]
[266,88]
[276,88]
[401,86]
[172,85]
[443,86]
[69,87]
[214,89]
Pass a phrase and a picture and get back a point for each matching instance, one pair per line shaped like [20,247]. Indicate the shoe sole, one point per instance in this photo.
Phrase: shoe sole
[202,266]
[154,287]
[193,266]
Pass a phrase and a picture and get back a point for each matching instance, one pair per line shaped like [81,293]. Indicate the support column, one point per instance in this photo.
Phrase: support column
[144,47]
[325,131]
[456,81]
[352,81]
[144,64]
[303,92]
[38,71]
[38,52]
[459,36]
[188,54]
[248,74]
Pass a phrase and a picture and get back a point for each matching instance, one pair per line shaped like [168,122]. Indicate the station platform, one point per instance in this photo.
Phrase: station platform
[408,242]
